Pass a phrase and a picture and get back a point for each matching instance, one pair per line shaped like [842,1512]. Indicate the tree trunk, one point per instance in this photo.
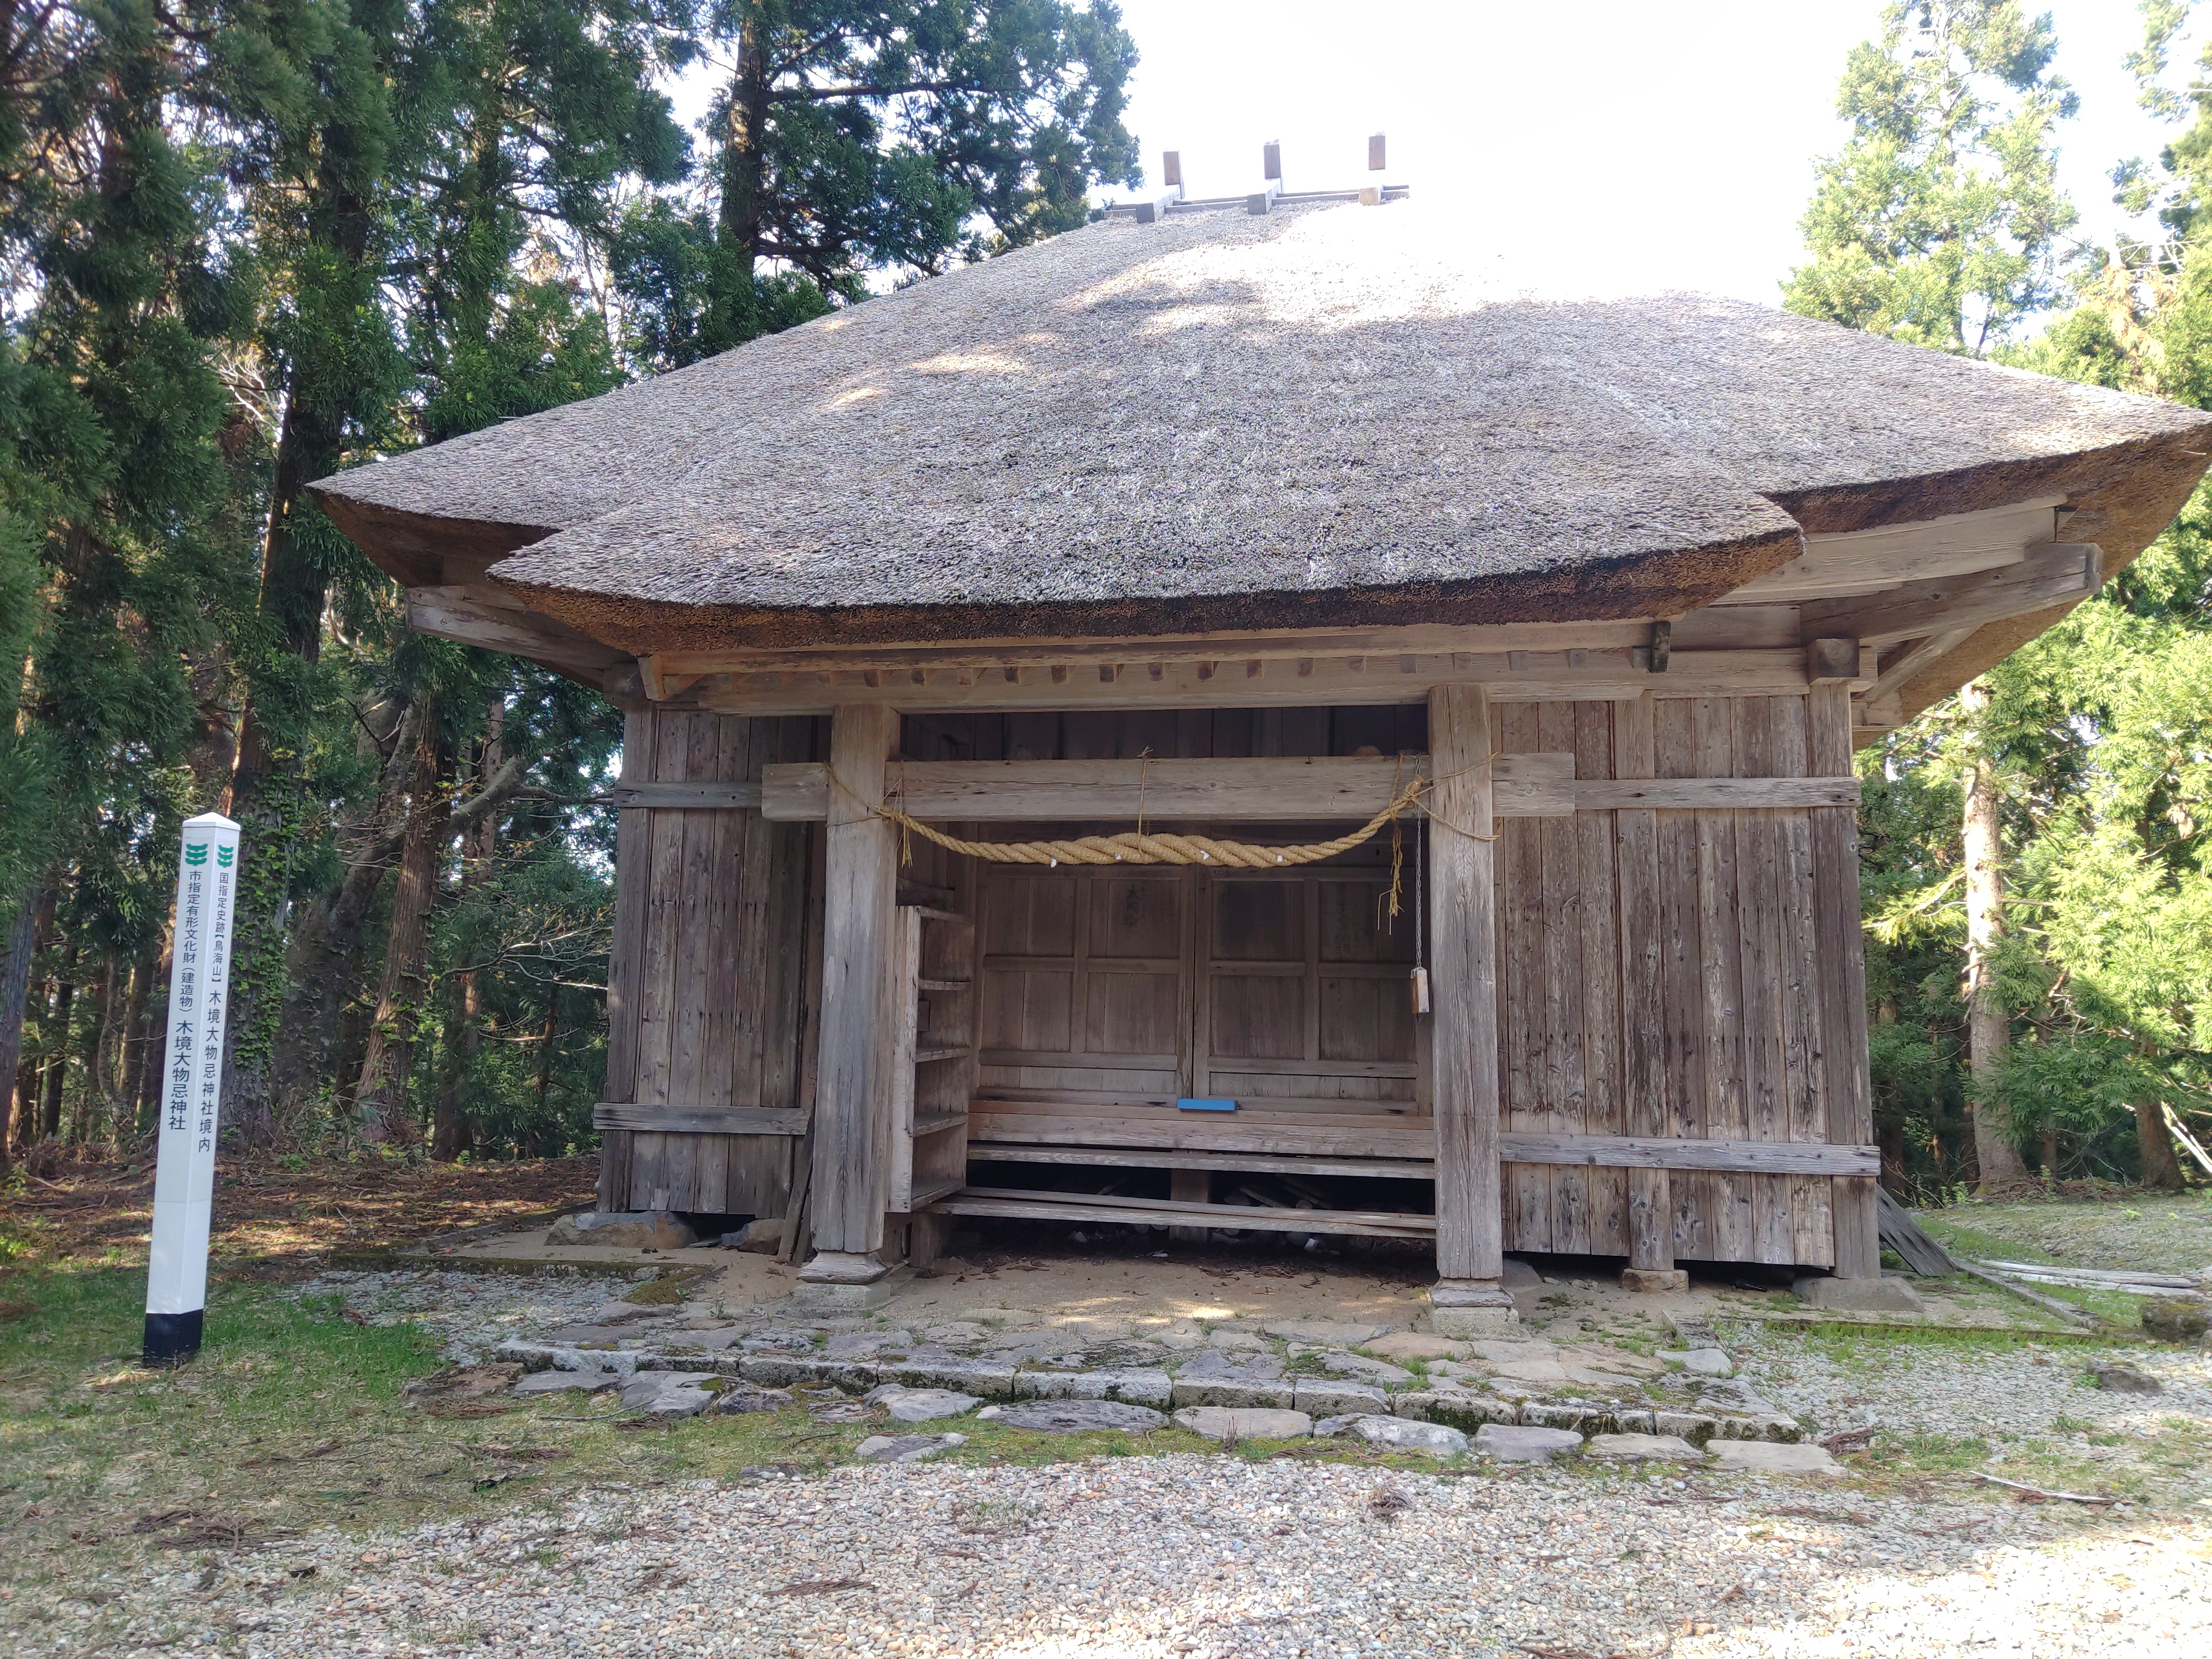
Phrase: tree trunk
[1989,1032]
[380,1101]
[294,590]
[452,1133]
[153,1038]
[325,948]
[14,996]
[95,1118]
[2161,1164]
[744,157]
[28,1067]
[53,1046]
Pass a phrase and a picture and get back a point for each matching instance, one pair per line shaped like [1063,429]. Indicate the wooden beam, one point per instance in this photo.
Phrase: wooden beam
[1392,1168]
[700,1120]
[1232,1138]
[1832,661]
[1666,1152]
[1728,629]
[1158,1213]
[488,617]
[1712,794]
[1008,1120]
[688,797]
[1913,658]
[858,924]
[1263,790]
[1228,790]
[1463,987]
[1567,675]
[2056,573]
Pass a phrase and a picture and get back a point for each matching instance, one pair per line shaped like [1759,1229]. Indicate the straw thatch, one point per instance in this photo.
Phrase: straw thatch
[1324,416]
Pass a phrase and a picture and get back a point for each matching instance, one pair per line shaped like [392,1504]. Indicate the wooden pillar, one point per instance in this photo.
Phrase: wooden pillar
[858,910]
[1841,952]
[1644,1018]
[1463,998]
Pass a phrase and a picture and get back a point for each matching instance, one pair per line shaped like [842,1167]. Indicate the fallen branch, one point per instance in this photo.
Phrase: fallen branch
[2041,1496]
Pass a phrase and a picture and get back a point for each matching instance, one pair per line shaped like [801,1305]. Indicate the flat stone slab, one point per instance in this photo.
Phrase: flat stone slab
[659,1230]
[1771,1457]
[1317,1397]
[1327,1332]
[745,1398]
[1244,1423]
[1643,1448]
[1462,1408]
[907,1447]
[669,1393]
[1075,1416]
[1704,1362]
[1379,1371]
[1884,1295]
[566,1381]
[927,1404]
[1404,1434]
[1418,1345]
[2117,1374]
[1212,1365]
[1511,1443]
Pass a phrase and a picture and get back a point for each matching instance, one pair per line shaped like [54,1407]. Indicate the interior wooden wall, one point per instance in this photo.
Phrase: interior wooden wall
[716,919]
[1661,973]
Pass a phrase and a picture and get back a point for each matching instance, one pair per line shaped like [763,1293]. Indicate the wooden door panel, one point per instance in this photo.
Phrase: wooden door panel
[1257,1017]
[1366,1017]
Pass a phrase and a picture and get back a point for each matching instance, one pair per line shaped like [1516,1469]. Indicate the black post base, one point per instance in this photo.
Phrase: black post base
[172,1337]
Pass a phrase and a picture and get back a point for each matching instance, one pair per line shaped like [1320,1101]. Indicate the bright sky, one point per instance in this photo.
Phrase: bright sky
[1677,142]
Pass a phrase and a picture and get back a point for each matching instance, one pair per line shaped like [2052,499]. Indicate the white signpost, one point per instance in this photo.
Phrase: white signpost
[191,1088]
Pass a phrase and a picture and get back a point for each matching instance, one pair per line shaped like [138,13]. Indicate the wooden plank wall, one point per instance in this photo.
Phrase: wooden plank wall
[710,969]
[1668,973]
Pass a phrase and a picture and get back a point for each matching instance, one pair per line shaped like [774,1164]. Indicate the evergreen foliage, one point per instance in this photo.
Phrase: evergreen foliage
[250,244]
[1940,223]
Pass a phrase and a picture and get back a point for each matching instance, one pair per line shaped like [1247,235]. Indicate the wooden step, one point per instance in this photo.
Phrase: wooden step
[1397,1169]
[929,1056]
[945,984]
[1015,1205]
[938,1124]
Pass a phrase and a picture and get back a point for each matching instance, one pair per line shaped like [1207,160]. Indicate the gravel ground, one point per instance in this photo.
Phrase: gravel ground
[1185,1555]
[1934,1388]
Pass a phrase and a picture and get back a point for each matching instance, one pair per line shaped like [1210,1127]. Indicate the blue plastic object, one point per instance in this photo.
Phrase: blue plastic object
[1205,1105]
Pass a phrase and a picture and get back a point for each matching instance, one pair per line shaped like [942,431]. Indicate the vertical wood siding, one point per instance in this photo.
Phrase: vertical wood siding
[709,968]
[1677,973]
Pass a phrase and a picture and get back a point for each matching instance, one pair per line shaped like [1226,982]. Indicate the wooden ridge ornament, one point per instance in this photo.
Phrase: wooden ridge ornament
[191,1089]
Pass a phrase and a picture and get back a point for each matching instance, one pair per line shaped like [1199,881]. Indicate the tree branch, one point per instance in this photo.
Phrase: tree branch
[790,95]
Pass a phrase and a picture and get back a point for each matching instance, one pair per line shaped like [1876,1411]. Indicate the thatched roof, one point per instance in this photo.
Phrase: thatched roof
[1325,415]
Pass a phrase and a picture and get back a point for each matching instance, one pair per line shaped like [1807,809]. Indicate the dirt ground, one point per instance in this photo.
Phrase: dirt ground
[92,1209]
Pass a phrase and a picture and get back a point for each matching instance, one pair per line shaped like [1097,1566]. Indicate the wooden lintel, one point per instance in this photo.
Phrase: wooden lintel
[1731,628]
[2056,573]
[700,1120]
[1603,674]
[1265,790]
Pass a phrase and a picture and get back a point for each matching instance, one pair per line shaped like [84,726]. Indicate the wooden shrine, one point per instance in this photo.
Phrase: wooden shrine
[1237,518]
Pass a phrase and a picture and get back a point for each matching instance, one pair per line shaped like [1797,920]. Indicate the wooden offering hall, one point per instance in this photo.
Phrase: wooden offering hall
[1241,716]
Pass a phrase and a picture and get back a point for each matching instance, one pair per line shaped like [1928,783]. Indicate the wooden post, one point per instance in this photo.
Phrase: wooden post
[1470,1297]
[1644,1021]
[1842,955]
[859,907]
